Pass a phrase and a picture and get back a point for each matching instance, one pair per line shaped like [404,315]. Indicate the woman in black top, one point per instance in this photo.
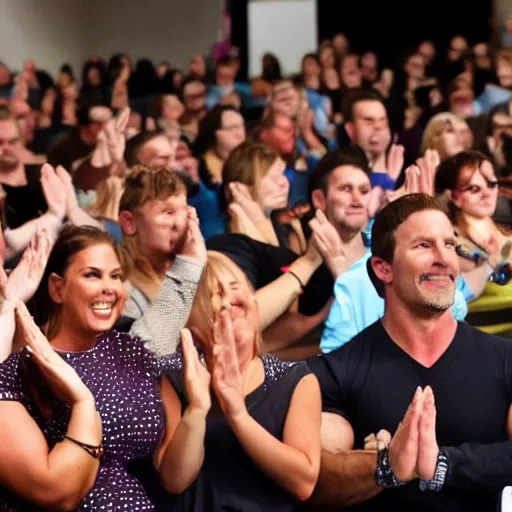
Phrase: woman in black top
[262,433]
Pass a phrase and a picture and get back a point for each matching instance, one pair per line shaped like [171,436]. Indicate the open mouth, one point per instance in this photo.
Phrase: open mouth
[103,308]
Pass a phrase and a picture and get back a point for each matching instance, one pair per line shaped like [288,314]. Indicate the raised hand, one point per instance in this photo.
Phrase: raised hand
[67,184]
[197,378]
[194,245]
[427,166]
[115,133]
[25,278]
[329,244]
[395,161]
[53,191]
[403,448]
[376,202]
[61,378]
[428,449]
[242,196]
[411,184]
[226,377]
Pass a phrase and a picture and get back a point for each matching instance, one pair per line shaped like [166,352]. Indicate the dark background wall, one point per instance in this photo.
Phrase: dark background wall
[389,27]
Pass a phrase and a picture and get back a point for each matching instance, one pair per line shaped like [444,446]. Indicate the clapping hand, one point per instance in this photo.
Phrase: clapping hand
[25,278]
[226,376]
[60,377]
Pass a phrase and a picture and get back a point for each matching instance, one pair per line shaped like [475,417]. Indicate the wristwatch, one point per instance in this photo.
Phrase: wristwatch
[384,476]
[436,484]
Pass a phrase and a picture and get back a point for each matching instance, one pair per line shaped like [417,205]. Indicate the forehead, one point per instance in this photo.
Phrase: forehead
[477,175]
[458,42]
[283,121]
[193,88]
[99,255]
[8,129]
[176,201]
[230,117]
[348,175]
[160,145]
[369,108]
[425,223]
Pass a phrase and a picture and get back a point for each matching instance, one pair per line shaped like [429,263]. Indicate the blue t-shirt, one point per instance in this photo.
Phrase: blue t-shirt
[357,305]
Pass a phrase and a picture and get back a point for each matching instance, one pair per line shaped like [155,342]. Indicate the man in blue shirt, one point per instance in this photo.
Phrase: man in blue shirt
[341,189]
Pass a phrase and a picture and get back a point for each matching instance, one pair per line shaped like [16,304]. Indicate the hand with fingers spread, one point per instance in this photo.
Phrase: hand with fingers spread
[197,378]
[194,245]
[428,449]
[242,196]
[60,376]
[403,448]
[25,278]
[329,244]
[395,161]
[53,191]
[226,377]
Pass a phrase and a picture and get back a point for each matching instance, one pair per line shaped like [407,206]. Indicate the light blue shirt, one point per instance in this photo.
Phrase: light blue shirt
[358,305]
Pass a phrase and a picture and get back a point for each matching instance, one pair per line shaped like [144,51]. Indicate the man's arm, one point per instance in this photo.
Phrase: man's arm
[347,477]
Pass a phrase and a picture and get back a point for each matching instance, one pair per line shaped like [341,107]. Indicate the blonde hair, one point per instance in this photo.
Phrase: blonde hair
[108,196]
[145,184]
[248,163]
[435,127]
[207,302]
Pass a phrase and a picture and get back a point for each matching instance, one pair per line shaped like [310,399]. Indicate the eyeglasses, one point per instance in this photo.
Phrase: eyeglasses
[476,189]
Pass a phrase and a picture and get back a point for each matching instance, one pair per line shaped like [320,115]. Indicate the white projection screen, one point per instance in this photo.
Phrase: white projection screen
[286,28]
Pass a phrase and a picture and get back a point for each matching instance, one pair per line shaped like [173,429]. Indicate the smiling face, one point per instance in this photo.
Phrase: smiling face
[223,283]
[477,192]
[425,266]
[91,292]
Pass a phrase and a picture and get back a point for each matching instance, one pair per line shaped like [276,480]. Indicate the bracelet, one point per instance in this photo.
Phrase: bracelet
[94,451]
[436,484]
[384,476]
[296,277]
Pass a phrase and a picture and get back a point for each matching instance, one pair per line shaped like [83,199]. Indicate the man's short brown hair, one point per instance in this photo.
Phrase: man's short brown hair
[389,220]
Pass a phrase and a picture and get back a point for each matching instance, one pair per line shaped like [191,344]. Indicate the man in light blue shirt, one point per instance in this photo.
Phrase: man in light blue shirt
[340,187]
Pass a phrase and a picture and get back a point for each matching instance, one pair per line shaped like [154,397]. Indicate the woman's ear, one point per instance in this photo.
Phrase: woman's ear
[55,288]
[127,223]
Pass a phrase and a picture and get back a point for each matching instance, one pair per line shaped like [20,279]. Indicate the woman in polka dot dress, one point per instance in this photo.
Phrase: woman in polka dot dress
[80,298]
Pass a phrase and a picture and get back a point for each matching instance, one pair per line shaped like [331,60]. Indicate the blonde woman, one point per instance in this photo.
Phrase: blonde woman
[262,433]
[448,134]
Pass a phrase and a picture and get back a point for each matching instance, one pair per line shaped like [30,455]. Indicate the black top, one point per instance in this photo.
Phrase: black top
[69,148]
[371,381]
[27,202]
[229,480]
[263,263]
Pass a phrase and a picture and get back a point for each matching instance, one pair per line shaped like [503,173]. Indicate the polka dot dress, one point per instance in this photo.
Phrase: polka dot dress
[121,375]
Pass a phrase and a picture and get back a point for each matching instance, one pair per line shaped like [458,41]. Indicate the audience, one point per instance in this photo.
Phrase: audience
[194,267]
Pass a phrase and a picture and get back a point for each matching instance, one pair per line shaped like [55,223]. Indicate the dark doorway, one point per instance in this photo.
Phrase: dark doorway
[390,28]
[394,27]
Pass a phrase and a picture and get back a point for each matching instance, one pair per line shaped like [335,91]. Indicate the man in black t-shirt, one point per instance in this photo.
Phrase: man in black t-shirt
[442,388]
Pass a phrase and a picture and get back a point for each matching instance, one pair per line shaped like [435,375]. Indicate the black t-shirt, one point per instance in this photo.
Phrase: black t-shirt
[371,381]
[27,202]
[263,263]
